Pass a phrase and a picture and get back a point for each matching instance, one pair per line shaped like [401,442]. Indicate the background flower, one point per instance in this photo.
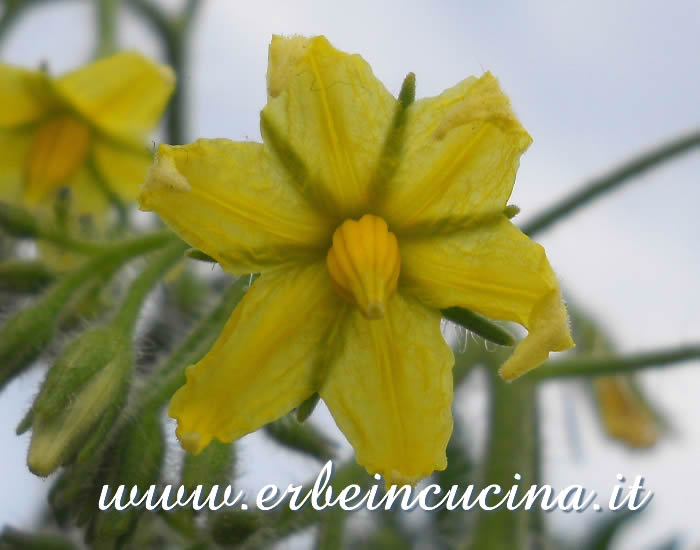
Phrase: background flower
[85,130]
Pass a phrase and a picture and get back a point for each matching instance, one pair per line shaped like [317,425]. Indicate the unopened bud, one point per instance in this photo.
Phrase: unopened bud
[79,390]
[136,461]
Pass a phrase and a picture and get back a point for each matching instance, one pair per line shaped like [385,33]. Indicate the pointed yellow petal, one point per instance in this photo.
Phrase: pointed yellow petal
[233,201]
[124,95]
[14,150]
[462,150]
[327,117]
[266,361]
[624,414]
[123,168]
[25,96]
[390,391]
[495,270]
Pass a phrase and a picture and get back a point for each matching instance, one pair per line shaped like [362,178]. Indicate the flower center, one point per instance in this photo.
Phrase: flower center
[58,150]
[364,264]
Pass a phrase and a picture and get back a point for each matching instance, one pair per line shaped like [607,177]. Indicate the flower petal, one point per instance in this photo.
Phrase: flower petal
[327,117]
[14,148]
[123,168]
[124,95]
[496,270]
[25,96]
[390,391]
[266,361]
[461,152]
[233,201]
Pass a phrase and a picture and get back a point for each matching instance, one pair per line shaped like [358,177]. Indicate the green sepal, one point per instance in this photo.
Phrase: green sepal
[26,423]
[58,438]
[91,449]
[511,211]
[390,155]
[137,459]
[478,325]
[407,95]
[307,407]
[90,352]
[196,254]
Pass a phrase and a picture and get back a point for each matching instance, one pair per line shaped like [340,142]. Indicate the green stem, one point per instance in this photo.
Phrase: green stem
[597,187]
[140,288]
[512,448]
[106,12]
[613,364]
[174,33]
[112,256]
[478,325]
[171,375]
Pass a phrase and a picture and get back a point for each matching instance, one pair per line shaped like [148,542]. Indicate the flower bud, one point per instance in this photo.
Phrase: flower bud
[79,392]
[136,461]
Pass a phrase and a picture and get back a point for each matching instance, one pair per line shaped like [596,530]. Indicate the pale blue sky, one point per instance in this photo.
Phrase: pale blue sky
[594,82]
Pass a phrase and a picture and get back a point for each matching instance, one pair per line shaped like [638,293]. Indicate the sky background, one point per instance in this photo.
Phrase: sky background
[594,83]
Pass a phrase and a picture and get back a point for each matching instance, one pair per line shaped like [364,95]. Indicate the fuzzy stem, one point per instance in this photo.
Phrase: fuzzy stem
[613,364]
[140,288]
[512,448]
[597,187]
[106,15]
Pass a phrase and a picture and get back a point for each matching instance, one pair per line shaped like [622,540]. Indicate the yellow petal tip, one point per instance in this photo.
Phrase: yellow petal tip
[191,442]
[163,175]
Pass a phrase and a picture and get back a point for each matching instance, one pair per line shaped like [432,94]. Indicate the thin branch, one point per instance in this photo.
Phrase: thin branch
[598,187]
[614,364]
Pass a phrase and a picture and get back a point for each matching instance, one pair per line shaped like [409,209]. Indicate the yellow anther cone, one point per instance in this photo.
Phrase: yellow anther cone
[364,264]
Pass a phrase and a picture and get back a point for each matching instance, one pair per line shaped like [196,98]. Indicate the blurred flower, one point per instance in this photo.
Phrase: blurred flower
[85,130]
[624,413]
[351,309]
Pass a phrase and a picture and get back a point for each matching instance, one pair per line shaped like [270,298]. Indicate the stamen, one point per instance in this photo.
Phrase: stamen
[364,264]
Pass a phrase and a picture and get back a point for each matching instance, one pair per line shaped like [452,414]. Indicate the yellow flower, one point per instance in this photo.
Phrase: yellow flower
[365,216]
[84,130]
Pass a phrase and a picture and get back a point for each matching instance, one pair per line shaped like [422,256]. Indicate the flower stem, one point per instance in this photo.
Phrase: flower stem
[106,14]
[171,375]
[140,288]
[174,33]
[597,187]
[512,448]
[613,364]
